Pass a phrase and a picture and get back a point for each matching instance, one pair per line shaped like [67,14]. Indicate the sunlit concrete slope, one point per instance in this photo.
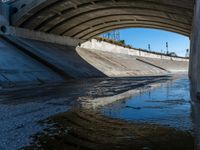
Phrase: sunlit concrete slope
[117,65]
[83,63]
[170,65]
[29,61]
[116,60]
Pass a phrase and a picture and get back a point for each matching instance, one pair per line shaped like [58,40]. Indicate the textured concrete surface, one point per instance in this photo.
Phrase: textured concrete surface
[63,57]
[87,18]
[171,65]
[4,14]
[195,49]
[195,70]
[47,62]
[95,44]
[40,36]
[83,63]
[18,68]
[116,65]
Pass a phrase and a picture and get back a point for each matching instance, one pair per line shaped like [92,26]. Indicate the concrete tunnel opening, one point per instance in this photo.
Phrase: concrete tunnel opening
[99,74]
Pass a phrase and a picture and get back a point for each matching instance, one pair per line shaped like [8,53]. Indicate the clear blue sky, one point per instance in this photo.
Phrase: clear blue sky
[140,38]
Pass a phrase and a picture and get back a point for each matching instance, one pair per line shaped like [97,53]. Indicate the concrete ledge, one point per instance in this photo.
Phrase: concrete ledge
[40,36]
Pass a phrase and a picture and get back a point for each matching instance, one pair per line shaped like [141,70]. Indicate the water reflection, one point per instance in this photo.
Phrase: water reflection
[168,105]
[86,128]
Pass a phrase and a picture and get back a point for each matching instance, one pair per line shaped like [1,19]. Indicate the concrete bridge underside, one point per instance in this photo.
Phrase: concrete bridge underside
[65,22]
[84,19]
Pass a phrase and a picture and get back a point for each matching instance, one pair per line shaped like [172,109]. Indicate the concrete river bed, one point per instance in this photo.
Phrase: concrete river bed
[158,119]
[139,113]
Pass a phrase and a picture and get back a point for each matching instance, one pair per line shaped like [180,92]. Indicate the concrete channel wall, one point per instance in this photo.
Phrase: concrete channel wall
[17,68]
[32,61]
[95,44]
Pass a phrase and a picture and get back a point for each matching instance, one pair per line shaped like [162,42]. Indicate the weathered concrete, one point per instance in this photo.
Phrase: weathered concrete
[85,19]
[116,64]
[194,71]
[95,44]
[195,50]
[97,63]
[63,58]
[40,36]
[4,15]
[84,63]
[63,62]
[17,68]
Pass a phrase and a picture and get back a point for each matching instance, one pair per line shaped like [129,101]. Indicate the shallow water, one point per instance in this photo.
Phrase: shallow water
[167,105]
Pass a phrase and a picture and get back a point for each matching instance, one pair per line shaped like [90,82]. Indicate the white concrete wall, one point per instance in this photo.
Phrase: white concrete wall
[108,47]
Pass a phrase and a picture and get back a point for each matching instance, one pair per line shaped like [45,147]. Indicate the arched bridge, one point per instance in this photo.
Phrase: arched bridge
[66,21]
[39,39]
[84,19]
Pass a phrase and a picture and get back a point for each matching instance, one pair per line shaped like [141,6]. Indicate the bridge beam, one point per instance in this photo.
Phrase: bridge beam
[23,7]
[77,18]
[40,36]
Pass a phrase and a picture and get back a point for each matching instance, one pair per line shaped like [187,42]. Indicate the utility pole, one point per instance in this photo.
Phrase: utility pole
[149,47]
[167,47]
[187,54]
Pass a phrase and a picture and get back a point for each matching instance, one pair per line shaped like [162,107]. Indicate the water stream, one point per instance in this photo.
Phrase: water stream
[167,105]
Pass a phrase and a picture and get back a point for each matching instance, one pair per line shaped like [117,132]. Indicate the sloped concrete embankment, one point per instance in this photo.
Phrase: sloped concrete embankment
[157,60]
[28,61]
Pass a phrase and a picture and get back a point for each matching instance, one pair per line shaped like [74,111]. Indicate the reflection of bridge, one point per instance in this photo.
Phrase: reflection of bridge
[84,19]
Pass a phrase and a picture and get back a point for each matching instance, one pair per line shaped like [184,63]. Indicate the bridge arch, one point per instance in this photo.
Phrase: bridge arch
[85,19]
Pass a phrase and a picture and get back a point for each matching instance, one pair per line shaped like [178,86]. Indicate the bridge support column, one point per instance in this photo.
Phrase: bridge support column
[195,52]
[194,72]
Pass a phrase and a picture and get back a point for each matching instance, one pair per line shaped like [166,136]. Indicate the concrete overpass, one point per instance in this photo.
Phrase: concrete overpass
[74,21]
[85,19]
[27,26]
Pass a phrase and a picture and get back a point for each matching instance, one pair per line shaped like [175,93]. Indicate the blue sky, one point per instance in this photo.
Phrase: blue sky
[140,38]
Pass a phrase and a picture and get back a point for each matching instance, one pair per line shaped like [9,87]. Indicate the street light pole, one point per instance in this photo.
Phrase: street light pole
[149,47]
[167,47]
